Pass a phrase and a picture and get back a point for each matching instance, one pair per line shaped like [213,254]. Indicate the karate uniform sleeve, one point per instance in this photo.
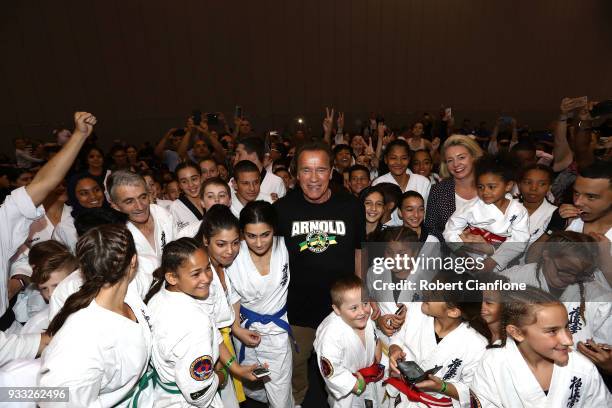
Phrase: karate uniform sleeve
[516,244]
[14,346]
[454,227]
[339,380]
[16,216]
[463,383]
[194,370]
[601,322]
[483,386]
[80,367]
[21,265]
[597,393]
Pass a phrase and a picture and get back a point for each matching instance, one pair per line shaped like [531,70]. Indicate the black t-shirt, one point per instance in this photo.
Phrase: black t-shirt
[321,240]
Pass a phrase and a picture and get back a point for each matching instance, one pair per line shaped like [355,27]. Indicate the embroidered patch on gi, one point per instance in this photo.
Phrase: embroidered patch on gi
[196,395]
[202,368]
[326,367]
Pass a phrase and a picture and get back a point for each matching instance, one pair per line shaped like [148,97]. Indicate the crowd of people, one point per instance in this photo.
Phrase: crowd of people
[225,267]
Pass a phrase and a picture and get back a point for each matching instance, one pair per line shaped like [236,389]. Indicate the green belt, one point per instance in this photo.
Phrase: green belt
[140,386]
[170,387]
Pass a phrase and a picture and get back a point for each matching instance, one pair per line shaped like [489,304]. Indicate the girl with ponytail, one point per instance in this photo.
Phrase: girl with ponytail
[101,337]
[535,365]
[188,354]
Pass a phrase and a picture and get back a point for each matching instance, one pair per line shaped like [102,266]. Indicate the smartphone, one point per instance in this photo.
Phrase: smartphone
[413,373]
[212,118]
[399,309]
[261,372]
[197,117]
[238,111]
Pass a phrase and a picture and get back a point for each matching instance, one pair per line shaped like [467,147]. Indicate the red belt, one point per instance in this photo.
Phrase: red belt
[373,373]
[415,395]
[490,237]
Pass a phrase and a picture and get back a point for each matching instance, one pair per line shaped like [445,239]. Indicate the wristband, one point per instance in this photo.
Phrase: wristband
[229,362]
[444,386]
[360,386]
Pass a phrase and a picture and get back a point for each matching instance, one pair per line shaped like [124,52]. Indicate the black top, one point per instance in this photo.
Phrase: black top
[440,207]
[321,240]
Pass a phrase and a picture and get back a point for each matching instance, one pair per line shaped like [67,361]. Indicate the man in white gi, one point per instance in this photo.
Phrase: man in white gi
[247,183]
[151,226]
[253,149]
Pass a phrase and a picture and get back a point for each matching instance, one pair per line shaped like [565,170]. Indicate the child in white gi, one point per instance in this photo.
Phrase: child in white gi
[535,365]
[495,224]
[101,341]
[260,277]
[51,262]
[190,359]
[347,348]
[188,209]
[446,332]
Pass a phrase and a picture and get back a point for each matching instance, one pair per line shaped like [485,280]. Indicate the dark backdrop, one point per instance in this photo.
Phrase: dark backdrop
[142,65]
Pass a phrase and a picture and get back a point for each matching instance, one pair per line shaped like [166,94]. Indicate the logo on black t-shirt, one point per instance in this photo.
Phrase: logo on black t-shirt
[319,234]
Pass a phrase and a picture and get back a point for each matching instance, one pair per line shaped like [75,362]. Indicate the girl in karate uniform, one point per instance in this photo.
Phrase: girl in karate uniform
[101,340]
[220,234]
[566,270]
[534,185]
[448,333]
[189,356]
[535,366]
[498,225]
[188,209]
[260,278]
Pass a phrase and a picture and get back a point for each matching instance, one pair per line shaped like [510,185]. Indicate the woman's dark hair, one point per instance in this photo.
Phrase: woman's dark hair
[175,254]
[218,217]
[519,308]
[105,254]
[549,172]
[256,212]
[186,165]
[499,164]
[397,143]
[397,234]
[571,243]
[369,190]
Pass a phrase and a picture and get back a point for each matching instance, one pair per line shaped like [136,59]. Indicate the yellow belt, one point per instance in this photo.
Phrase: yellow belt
[225,332]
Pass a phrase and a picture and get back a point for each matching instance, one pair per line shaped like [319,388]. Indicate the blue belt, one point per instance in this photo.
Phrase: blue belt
[251,317]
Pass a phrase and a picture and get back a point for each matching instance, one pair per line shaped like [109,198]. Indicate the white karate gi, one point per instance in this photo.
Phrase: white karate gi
[18,374]
[185,350]
[100,355]
[458,353]
[66,233]
[340,353]
[513,224]
[183,216]
[272,184]
[149,258]
[16,215]
[37,323]
[237,206]
[539,220]
[14,346]
[416,182]
[504,379]
[218,305]
[265,295]
[598,304]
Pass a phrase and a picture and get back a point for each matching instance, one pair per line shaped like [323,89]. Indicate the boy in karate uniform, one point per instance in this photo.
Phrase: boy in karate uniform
[347,348]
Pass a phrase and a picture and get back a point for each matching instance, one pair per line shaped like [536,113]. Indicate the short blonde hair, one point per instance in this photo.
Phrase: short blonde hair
[458,140]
